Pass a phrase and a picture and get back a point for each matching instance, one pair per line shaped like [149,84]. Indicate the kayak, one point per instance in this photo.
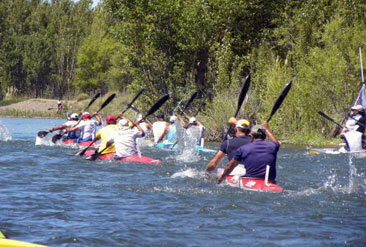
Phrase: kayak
[254,184]
[168,145]
[4,242]
[133,158]
[72,141]
[327,151]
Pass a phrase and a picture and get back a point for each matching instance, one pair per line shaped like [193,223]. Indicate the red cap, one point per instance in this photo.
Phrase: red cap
[86,115]
[111,118]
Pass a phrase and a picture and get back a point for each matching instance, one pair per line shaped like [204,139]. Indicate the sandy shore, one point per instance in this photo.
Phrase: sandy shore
[33,105]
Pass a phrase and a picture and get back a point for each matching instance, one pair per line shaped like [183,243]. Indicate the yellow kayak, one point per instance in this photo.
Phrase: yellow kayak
[4,242]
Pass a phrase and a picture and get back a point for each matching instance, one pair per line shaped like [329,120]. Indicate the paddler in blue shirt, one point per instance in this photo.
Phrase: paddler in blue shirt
[257,155]
[354,131]
[229,146]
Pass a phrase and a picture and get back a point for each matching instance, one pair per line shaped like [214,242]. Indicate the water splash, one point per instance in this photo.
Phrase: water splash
[4,133]
[46,141]
[186,149]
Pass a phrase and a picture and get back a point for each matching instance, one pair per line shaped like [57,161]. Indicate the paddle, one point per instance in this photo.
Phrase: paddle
[329,118]
[82,152]
[241,98]
[193,96]
[151,111]
[42,134]
[202,103]
[55,138]
[279,100]
[96,155]
[134,99]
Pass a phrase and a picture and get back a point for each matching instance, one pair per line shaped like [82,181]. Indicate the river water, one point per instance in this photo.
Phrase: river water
[50,197]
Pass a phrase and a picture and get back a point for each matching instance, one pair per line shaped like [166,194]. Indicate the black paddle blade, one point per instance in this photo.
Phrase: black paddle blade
[242,94]
[280,99]
[157,105]
[107,101]
[193,96]
[134,99]
[42,134]
[329,118]
[135,108]
[202,103]
[92,100]
[56,137]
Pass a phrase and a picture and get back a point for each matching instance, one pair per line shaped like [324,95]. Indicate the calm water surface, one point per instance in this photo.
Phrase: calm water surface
[50,197]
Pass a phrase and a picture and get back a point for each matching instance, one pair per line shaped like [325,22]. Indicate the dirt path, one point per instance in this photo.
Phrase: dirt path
[33,105]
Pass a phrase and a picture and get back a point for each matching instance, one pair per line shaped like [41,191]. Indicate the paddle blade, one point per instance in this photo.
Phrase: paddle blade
[107,101]
[202,103]
[135,109]
[280,99]
[242,94]
[157,105]
[193,96]
[42,134]
[57,137]
[134,99]
[92,101]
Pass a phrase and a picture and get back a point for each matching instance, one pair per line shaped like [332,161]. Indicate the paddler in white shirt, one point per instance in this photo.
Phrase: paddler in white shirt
[194,129]
[159,127]
[125,139]
[87,126]
[71,122]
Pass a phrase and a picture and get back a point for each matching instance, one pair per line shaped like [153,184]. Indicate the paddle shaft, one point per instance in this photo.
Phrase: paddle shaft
[361,69]
[134,99]
[329,118]
[156,106]
[241,98]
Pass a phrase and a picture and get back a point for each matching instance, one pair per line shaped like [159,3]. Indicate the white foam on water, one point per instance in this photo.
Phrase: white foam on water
[186,148]
[4,133]
[46,141]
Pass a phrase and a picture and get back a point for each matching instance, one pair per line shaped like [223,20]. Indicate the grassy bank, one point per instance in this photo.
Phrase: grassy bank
[214,118]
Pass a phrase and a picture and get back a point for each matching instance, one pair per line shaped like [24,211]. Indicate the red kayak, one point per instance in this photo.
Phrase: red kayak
[133,158]
[72,141]
[256,184]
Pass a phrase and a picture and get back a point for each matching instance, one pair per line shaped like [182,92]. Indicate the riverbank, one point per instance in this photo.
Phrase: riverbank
[46,108]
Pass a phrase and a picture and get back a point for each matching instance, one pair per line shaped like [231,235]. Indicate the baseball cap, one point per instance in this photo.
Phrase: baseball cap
[258,129]
[172,119]
[242,123]
[357,107]
[86,115]
[160,116]
[111,118]
[192,120]
[74,116]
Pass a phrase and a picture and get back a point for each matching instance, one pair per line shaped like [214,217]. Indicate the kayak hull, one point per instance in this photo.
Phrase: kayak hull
[133,158]
[72,141]
[163,145]
[254,184]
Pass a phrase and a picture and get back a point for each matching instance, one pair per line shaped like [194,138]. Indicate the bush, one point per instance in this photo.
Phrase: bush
[82,96]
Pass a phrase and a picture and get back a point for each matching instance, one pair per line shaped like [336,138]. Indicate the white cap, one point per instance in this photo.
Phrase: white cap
[357,107]
[350,124]
[74,115]
[192,120]
[172,119]
[139,117]
[123,122]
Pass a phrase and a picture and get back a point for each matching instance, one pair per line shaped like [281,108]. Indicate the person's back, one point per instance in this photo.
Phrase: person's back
[105,135]
[195,130]
[125,140]
[256,156]
[87,127]
[158,127]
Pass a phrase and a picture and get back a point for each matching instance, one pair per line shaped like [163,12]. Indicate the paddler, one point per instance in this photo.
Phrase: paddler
[354,131]
[256,155]
[71,122]
[146,126]
[125,138]
[194,129]
[159,127]
[229,146]
[87,126]
[106,133]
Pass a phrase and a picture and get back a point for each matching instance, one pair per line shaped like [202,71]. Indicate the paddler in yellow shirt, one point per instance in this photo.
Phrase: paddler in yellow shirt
[106,133]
